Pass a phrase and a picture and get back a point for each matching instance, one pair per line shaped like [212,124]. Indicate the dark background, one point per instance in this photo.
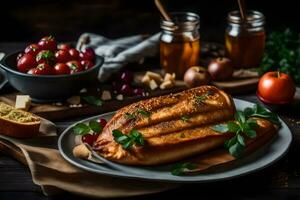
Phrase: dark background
[28,20]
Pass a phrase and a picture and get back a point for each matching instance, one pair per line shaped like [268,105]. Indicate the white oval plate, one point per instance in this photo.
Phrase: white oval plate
[260,159]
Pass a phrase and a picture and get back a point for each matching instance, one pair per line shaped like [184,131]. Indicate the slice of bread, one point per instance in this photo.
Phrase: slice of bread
[17,123]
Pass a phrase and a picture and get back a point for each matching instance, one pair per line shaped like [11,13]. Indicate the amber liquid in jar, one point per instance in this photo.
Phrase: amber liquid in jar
[177,57]
[245,39]
[180,43]
[245,51]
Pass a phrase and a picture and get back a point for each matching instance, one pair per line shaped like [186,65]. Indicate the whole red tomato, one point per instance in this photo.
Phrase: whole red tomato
[32,49]
[62,56]
[31,71]
[74,66]
[45,56]
[48,43]
[43,69]
[87,64]
[62,68]
[87,54]
[26,62]
[63,46]
[74,54]
[276,88]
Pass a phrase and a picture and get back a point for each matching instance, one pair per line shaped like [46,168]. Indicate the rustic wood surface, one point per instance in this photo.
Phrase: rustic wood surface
[279,181]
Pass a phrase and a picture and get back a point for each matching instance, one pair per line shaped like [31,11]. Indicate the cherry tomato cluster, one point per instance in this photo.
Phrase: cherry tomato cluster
[124,85]
[48,58]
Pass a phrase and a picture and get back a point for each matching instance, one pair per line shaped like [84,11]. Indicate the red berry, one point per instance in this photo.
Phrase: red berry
[43,69]
[89,139]
[96,135]
[74,66]
[87,64]
[45,56]
[32,49]
[19,56]
[62,68]
[87,54]
[65,47]
[74,54]
[48,43]
[126,90]
[126,77]
[62,56]
[138,91]
[102,122]
[26,62]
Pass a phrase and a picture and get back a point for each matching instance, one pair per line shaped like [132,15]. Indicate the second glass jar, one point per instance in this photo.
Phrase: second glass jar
[180,43]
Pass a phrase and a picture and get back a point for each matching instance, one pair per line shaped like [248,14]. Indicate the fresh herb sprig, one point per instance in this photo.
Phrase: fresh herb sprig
[128,140]
[185,118]
[181,168]
[82,128]
[242,125]
[92,100]
[143,112]
[261,112]
[201,98]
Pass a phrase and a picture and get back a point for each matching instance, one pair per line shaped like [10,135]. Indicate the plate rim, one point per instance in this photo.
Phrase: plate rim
[176,179]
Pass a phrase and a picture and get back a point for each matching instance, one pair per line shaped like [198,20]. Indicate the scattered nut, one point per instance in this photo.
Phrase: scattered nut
[74,100]
[169,77]
[146,79]
[106,95]
[120,97]
[23,102]
[166,85]
[155,76]
[83,90]
[81,151]
[153,85]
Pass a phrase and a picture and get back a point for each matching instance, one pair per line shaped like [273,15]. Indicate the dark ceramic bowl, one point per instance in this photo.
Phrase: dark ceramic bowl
[48,88]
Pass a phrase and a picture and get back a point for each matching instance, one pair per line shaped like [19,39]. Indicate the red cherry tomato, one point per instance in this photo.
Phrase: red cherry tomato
[87,64]
[276,87]
[48,43]
[74,66]
[87,54]
[74,54]
[26,62]
[102,122]
[62,68]
[32,49]
[62,56]
[45,56]
[63,46]
[89,139]
[43,69]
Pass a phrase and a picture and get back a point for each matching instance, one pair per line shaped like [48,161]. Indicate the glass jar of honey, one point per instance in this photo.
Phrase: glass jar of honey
[245,39]
[180,43]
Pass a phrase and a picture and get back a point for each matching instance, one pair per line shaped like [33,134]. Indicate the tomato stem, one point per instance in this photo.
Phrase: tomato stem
[278,73]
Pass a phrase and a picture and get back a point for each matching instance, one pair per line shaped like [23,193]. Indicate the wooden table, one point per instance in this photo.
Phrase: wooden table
[279,181]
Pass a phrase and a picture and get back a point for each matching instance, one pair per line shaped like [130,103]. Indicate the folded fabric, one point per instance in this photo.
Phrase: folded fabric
[54,175]
[119,52]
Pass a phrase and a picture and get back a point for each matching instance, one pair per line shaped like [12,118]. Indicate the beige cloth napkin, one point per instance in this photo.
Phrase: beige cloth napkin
[50,171]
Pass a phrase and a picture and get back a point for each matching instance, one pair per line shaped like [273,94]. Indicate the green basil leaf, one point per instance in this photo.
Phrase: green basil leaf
[240,139]
[128,144]
[143,112]
[95,126]
[236,149]
[248,112]
[81,129]
[92,100]
[250,133]
[185,118]
[252,123]
[180,168]
[240,117]
[116,133]
[232,127]
[129,116]
[221,128]
[122,139]
[231,142]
